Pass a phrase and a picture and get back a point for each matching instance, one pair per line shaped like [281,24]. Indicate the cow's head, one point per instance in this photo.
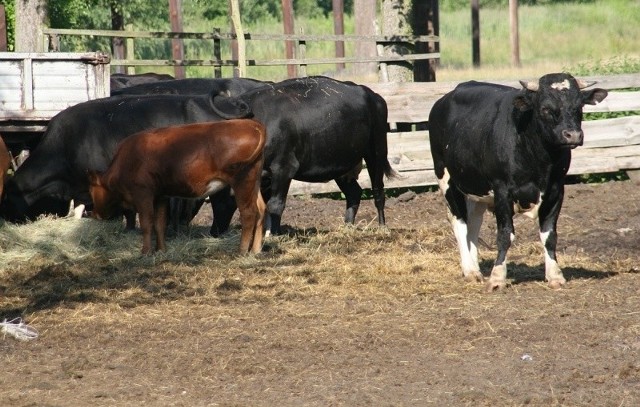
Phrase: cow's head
[18,207]
[556,102]
[106,204]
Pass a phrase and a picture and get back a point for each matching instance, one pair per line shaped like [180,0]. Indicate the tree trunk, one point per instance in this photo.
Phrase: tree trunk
[365,14]
[395,21]
[30,18]
[117,44]
[425,21]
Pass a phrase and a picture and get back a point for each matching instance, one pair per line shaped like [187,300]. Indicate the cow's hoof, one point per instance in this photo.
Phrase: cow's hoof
[495,285]
[557,283]
[473,277]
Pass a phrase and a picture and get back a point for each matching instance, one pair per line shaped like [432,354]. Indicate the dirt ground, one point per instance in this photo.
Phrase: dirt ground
[382,331]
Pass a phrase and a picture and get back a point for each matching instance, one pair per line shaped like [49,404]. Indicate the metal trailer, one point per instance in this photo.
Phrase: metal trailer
[34,87]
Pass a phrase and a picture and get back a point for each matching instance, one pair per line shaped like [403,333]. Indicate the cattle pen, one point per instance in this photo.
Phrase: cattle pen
[611,145]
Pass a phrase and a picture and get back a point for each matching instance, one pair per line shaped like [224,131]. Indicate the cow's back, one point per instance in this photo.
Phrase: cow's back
[468,119]
[193,86]
[325,123]
[177,157]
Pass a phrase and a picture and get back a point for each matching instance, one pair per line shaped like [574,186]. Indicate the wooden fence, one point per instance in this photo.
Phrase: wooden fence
[216,38]
[611,145]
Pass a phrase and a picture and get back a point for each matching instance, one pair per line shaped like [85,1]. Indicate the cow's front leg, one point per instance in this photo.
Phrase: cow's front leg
[161,205]
[505,235]
[548,218]
[223,206]
[145,214]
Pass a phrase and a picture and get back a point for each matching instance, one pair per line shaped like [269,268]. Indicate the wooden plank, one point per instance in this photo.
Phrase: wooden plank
[232,36]
[411,102]
[622,131]
[616,102]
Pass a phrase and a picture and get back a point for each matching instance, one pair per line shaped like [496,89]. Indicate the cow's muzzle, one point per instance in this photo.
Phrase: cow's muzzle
[572,138]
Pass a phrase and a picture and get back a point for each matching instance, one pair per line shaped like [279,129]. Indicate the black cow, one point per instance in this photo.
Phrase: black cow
[192,86]
[507,150]
[123,80]
[84,137]
[318,129]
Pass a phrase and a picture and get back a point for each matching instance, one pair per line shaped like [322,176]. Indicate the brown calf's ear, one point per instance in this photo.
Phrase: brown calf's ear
[94,177]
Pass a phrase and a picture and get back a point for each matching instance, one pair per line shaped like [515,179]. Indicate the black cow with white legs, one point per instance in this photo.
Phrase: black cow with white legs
[507,150]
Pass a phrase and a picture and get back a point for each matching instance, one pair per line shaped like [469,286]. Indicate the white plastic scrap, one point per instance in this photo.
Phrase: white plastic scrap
[526,358]
[18,329]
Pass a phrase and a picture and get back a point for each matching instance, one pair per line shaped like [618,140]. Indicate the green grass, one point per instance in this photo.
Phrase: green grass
[564,33]
[578,37]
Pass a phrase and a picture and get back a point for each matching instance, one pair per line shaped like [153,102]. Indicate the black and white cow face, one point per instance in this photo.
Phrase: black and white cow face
[556,101]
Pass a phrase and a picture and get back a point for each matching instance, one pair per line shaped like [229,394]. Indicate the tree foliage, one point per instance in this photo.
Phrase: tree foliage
[10,12]
[450,5]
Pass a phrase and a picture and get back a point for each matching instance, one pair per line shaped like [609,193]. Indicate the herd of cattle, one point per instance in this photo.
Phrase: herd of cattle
[242,141]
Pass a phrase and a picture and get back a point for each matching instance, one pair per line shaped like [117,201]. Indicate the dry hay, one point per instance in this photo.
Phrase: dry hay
[68,260]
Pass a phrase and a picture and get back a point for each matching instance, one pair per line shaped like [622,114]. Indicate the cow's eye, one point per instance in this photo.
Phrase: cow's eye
[547,113]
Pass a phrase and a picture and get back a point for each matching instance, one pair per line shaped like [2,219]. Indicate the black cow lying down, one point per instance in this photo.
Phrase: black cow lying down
[507,150]
[84,137]
[318,129]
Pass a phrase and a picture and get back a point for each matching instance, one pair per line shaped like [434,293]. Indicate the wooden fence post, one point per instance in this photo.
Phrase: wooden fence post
[287,20]
[131,70]
[242,49]
[338,29]
[217,53]
[177,48]
[302,51]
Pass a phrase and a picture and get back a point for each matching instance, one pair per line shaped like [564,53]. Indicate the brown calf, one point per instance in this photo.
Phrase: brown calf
[189,161]
[5,162]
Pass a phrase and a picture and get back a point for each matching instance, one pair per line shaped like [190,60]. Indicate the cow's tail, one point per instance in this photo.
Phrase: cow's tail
[229,107]
[380,129]
[259,151]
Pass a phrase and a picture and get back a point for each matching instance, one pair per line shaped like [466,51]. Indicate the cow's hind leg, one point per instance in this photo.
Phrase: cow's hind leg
[464,231]
[505,235]
[376,174]
[252,209]
[475,213]
[548,218]
[352,193]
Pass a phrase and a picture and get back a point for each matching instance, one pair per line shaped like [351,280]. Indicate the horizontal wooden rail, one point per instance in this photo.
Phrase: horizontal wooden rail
[271,62]
[215,35]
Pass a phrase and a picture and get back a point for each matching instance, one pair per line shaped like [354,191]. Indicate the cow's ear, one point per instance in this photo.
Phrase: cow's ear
[593,96]
[522,103]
